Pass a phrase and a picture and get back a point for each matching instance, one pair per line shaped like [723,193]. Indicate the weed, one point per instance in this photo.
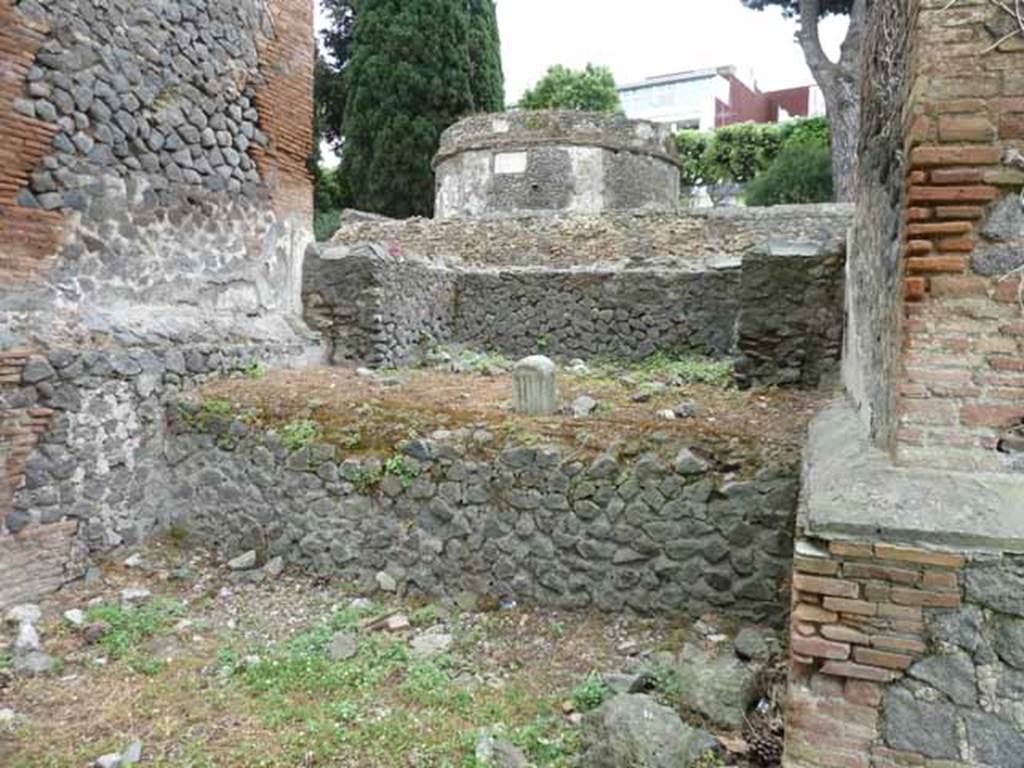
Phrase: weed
[590,694]
[365,479]
[708,759]
[127,628]
[426,616]
[177,534]
[298,433]
[216,408]
[685,370]
[396,466]
[253,370]
[664,681]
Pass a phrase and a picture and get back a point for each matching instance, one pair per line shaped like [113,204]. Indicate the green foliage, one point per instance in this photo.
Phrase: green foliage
[128,628]
[812,131]
[800,174]
[738,153]
[253,370]
[298,433]
[590,694]
[685,370]
[591,89]
[696,171]
[411,75]
[216,407]
[488,81]
[397,467]
[325,224]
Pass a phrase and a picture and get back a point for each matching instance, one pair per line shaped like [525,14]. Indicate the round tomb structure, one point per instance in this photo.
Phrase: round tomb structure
[554,162]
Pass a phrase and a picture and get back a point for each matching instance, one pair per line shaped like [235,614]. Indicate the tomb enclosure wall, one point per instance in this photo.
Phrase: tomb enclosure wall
[682,529]
[387,293]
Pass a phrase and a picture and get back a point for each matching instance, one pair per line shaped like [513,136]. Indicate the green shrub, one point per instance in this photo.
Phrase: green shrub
[325,224]
[590,694]
[802,173]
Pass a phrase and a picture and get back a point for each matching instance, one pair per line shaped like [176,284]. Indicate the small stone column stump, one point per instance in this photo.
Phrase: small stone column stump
[535,391]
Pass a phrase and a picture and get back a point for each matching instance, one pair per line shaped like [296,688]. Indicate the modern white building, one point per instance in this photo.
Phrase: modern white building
[705,99]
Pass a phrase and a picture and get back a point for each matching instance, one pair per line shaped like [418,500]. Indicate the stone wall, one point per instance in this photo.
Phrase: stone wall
[582,162]
[777,310]
[140,145]
[912,655]
[593,313]
[874,267]
[84,433]
[691,239]
[155,207]
[680,530]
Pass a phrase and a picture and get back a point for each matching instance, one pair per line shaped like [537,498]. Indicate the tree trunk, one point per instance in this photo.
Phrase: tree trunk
[840,83]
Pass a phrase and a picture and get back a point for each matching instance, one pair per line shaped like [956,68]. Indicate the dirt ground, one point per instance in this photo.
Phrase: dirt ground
[212,670]
[375,413]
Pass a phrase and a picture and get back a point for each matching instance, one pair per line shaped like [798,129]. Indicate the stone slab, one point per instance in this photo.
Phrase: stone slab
[853,489]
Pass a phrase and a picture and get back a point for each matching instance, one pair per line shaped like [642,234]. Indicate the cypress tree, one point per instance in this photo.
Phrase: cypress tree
[485,57]
[410,77]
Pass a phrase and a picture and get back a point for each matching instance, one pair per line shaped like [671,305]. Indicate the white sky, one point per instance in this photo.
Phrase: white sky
[643,38]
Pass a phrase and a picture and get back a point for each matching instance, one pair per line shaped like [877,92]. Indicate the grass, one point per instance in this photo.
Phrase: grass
[235,698]
[128,628]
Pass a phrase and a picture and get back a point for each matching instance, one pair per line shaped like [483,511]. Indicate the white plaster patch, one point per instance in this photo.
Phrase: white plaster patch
[510,162]
[500,125]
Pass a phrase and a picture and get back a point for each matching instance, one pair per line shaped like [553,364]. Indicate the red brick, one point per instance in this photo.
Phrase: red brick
[940,228]
[850,549]
[915,288]
[858,671]
[969,128]
[887,659]
[920,556]
[931,156]
[880,571]
[957,175]
[1011,364]
[844,634]
[970,212]
[919,214]
[806,612]
[820,566]
[842,605]
[919,247]
[956,244]
[904,596]
[1011,126]
[823,586]
[819,648]
[977,193]
[995,416]
[928,264]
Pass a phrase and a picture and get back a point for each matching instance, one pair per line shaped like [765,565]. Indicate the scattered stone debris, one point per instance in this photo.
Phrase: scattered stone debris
[633,729]
[430,644]
[715,683]
[134,595]
[135,561]
[686,409]
[386,582]
[27,649]
[578,367]
[75,617]
[244,562]
[274,567]
[344,645]
[492,751]
[130,756]
[582,406]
